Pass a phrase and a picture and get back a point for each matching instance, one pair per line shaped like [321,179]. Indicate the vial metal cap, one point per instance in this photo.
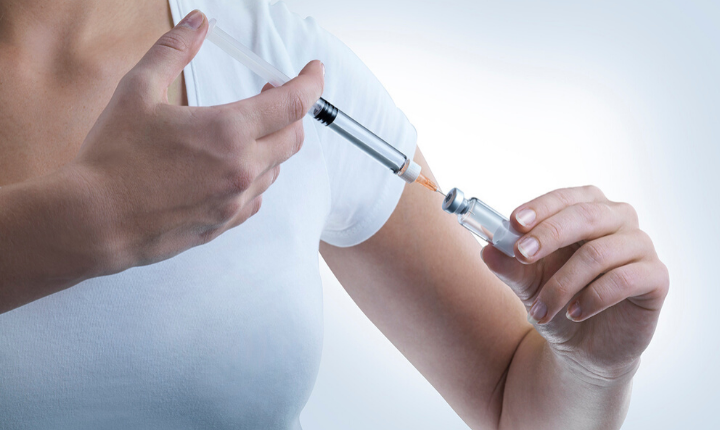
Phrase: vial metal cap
[454,202]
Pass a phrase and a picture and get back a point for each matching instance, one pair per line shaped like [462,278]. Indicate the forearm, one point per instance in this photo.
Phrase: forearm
[542,391]
[51,237]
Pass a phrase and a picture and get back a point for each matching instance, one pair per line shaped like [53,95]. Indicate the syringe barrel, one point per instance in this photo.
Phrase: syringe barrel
[323,111]
[483,221]
[366,140]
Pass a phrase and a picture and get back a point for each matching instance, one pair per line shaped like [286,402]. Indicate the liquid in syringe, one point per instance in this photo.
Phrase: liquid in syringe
[475,215]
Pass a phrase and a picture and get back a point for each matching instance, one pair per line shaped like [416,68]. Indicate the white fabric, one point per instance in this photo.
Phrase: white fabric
[227,335]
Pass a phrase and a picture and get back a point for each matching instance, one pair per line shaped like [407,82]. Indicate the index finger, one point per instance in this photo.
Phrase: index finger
[530,214]
[275,108]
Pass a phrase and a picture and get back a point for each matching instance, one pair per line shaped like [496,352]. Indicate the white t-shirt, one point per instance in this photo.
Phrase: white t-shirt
[227,335]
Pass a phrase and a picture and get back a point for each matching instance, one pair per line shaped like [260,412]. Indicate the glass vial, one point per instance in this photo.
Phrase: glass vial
[482,220]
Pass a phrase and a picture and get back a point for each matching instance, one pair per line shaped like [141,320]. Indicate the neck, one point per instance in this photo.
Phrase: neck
[79,25]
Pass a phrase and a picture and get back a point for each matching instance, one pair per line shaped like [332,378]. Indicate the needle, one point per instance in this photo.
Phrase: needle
[427,183]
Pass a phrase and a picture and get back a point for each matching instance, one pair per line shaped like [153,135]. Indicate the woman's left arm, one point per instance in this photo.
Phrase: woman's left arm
[593,286]
[421,281]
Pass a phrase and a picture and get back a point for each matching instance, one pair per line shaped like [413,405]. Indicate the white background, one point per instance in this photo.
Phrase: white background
[513,99]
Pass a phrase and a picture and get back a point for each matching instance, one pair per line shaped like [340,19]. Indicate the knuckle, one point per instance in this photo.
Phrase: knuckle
[644,239]
[598,295]
[552,230]
[132,85]
[561,290]
[256,204]
[665,272]
[173,40]
[299,136]
[629,211]
[208,235]
[525,290]
[660,282]
[299,133]
[593,191]
[623,279]
[593,254]
[133,79]
[590,213]
[665,280]
[242,179]
[228,211]
[296,105]
[564,196]
[524,293]
[275,173]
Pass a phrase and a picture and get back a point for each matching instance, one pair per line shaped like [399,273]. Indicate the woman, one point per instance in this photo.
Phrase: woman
[106,174]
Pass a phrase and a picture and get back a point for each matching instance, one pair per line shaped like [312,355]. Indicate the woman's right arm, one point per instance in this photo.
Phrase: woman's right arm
[151,180]
[51,237]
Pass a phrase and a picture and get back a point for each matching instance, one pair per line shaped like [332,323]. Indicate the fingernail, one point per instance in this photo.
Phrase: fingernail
[574,311]
[526,217]
[482,251]
[528,246]
[537,312]
[192,20]
[323,67]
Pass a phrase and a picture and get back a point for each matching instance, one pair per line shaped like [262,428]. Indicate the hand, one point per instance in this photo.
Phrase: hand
[591,279]
[173,177]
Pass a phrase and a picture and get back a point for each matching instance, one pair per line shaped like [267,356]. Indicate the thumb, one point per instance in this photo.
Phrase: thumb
[173,51]
[521,278]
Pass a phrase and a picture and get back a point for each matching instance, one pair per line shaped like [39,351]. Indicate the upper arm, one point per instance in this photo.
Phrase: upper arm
[421,281]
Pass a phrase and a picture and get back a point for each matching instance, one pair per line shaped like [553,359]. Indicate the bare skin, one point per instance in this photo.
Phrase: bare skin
[150,179]
[73,183]
[33,36]
[466,331]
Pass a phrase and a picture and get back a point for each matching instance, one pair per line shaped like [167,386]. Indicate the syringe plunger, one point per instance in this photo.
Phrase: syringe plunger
[323,111]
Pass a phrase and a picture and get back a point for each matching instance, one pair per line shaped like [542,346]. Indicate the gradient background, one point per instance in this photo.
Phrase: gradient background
[513,99]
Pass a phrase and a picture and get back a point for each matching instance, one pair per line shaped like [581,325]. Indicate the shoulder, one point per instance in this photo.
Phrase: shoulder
[254,15]
[270,29]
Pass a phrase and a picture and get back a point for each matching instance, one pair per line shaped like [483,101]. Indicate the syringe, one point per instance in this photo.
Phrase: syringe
[325,112]
[475,215]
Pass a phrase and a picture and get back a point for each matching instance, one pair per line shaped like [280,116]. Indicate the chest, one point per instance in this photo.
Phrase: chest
[45,116]
[227,335]
[43,121]
[231,329]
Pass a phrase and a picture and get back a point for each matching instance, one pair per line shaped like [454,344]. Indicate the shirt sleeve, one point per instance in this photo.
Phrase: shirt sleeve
[363,192]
